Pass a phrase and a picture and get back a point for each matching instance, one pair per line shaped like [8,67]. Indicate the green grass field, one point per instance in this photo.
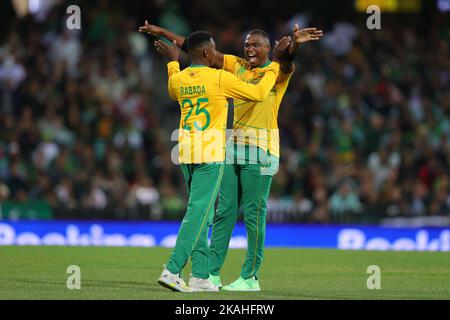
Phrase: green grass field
[131,273]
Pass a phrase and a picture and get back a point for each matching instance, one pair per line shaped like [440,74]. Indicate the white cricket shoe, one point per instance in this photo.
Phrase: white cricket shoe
[198,285]
[173,281]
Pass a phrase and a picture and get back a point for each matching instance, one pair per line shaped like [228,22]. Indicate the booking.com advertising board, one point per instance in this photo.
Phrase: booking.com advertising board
[163,234]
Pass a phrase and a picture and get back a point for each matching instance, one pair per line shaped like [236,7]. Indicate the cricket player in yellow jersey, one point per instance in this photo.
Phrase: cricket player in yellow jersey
[201,92]
[246,182]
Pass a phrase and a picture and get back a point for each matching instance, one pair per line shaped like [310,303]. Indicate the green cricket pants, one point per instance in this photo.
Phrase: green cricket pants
[203,182]
[242,185]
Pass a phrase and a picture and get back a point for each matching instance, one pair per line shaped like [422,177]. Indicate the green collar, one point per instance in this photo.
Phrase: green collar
[197,65]
[265,64]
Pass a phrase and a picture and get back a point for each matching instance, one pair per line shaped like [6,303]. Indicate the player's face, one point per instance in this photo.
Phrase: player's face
[256,49]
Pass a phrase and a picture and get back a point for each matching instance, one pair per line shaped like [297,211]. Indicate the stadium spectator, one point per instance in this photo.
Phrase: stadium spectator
[344,202]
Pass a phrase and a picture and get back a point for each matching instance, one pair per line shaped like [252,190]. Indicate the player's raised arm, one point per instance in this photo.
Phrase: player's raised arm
[298,36]
[236,88]
[157,31]
[173,67]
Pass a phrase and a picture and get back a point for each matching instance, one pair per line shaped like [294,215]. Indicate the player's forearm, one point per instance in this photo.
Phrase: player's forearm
[172,36]
[294,47]
[287,59]
[268,81]
[287,67]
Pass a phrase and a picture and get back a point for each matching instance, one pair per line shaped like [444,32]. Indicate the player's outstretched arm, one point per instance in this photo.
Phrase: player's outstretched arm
[234,87]
[157,31]
[299,36]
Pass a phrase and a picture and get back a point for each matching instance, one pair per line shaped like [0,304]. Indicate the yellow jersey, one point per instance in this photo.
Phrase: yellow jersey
[202,94]
[256,122]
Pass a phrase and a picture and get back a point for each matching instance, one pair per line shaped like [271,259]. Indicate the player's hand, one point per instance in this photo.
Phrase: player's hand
[169,51]
[306,34]
[280,47]
[150,29]
[303,35]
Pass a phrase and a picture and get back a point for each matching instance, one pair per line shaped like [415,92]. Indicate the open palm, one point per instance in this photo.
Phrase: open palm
[306,34]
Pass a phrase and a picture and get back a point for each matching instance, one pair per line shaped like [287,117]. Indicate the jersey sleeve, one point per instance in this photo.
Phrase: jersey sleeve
[229,62]
[173,68]
[234,87]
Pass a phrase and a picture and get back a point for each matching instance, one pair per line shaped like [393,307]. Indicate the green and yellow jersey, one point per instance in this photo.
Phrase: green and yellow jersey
[256,122]
[202,93]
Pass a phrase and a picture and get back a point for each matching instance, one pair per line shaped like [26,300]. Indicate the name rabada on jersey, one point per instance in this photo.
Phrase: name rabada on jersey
[192,90]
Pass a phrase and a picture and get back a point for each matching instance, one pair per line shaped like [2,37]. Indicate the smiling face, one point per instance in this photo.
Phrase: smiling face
[256,49]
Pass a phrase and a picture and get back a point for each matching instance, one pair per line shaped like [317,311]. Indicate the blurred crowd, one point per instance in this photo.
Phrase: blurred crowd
[85,122]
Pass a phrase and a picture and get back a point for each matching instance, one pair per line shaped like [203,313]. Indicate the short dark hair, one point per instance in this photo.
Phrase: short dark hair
[198,38]
[260,32]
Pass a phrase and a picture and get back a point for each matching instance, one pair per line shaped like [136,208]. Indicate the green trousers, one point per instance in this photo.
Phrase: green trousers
[203,182]
[242,185]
